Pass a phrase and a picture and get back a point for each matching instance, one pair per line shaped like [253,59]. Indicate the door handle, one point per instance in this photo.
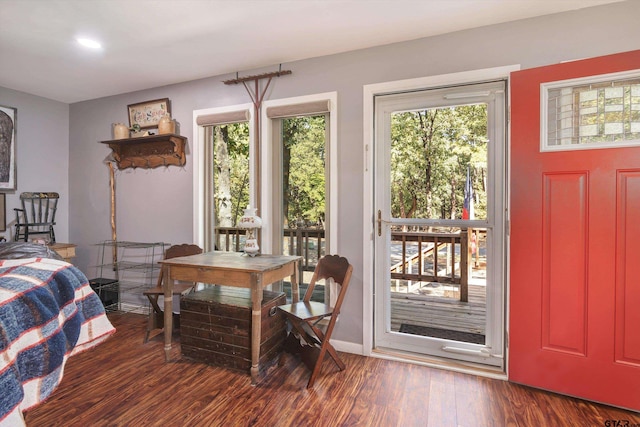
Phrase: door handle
[379,223]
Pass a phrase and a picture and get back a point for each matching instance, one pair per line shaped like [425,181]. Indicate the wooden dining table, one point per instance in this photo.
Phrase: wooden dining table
[229,269]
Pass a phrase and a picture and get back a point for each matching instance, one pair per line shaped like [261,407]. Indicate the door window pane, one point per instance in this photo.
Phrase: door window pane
[596,113]
[439,163]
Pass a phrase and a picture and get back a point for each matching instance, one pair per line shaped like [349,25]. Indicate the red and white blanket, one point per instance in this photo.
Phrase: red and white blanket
[48,312]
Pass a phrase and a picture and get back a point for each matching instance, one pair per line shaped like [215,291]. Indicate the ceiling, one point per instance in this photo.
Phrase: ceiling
[151,43]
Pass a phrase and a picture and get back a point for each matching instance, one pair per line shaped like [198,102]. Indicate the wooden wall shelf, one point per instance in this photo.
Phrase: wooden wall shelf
[149,151]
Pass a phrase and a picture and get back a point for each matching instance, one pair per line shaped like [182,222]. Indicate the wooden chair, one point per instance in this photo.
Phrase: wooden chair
[156,315]
[37,216]
[308,318]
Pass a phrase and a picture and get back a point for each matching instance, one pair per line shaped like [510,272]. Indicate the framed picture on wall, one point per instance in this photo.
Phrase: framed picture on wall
[147,114]
[8,117]
[3,212]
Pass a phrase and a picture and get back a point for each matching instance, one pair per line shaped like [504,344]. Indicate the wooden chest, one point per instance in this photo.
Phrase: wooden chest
[215,327]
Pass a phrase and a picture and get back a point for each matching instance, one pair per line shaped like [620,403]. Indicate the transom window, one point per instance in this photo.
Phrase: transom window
[597,112]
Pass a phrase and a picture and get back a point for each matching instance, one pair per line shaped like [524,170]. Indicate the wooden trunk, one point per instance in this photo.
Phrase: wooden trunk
[215,327]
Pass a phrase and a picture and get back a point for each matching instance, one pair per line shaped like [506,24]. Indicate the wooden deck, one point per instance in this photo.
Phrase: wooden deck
[444,312]
[441,312]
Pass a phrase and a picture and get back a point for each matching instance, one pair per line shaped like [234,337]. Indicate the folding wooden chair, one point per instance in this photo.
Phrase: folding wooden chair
[156,315]
[308,317]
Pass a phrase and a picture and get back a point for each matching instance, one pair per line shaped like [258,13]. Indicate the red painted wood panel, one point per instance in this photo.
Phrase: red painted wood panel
[627,308]
[574,307]
[564,264]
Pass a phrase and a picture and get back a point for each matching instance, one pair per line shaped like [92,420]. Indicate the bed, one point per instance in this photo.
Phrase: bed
[48,313]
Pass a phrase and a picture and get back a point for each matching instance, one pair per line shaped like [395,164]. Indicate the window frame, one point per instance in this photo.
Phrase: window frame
[267,168]
[202,193]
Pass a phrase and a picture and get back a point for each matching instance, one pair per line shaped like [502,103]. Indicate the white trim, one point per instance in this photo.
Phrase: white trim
[436,81]
[266,166]
[347,347]
[590,146]
[199,165]
[369,93]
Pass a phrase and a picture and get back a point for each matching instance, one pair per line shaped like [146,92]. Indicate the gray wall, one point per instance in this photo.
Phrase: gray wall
[155,205]
[42,144]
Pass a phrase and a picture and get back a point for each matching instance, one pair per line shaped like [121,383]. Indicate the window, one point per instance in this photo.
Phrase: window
[222,176]
[299,178]
[228,159]
[265,181]
[595,112]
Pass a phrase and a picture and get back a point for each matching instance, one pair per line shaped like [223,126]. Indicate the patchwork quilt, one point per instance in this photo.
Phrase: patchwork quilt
[48,312]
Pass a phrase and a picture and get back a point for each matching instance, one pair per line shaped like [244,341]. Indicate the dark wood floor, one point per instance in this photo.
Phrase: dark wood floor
[124,382]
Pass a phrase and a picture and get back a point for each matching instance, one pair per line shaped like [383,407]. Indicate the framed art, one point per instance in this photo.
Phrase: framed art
[8,117]
[147,114]
[3,212]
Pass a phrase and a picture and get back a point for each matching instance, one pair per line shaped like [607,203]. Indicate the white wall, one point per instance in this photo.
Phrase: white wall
[42,144]
[157,204]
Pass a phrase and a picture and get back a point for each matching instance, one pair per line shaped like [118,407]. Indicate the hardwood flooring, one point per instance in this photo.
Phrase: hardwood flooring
[124,382]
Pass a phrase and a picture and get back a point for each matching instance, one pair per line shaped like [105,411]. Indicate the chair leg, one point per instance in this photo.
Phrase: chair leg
[150,326]
[334,355]
[313,354]
[317,367]
[325,348]
[146,334]
[324,338]
[154,313]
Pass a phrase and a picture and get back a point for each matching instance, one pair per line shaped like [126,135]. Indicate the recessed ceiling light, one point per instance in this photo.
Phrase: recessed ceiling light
[91,44]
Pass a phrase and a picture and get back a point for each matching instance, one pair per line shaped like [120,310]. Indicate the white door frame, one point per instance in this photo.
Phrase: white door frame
[369,92]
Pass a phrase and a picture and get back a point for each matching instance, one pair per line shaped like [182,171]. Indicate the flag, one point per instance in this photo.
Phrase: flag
[467,207]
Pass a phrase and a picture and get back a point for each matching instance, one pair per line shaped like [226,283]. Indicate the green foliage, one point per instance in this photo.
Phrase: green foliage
[430,153]
[304,170]
[304,184]
[238,141]
[236,164]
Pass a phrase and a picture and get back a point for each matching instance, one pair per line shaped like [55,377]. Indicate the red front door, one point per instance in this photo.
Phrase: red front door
[575,253]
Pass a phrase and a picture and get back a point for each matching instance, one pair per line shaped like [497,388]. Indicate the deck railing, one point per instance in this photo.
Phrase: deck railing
[305,242]
[433,257]
[419,261]
[228,238]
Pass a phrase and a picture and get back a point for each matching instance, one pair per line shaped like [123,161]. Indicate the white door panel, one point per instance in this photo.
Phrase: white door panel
[436,253]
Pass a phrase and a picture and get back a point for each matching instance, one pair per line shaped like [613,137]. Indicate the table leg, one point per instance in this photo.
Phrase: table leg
[256,326]
[295,287]
[167,285]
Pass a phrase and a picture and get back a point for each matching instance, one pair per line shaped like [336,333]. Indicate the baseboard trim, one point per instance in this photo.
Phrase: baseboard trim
[348,347]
